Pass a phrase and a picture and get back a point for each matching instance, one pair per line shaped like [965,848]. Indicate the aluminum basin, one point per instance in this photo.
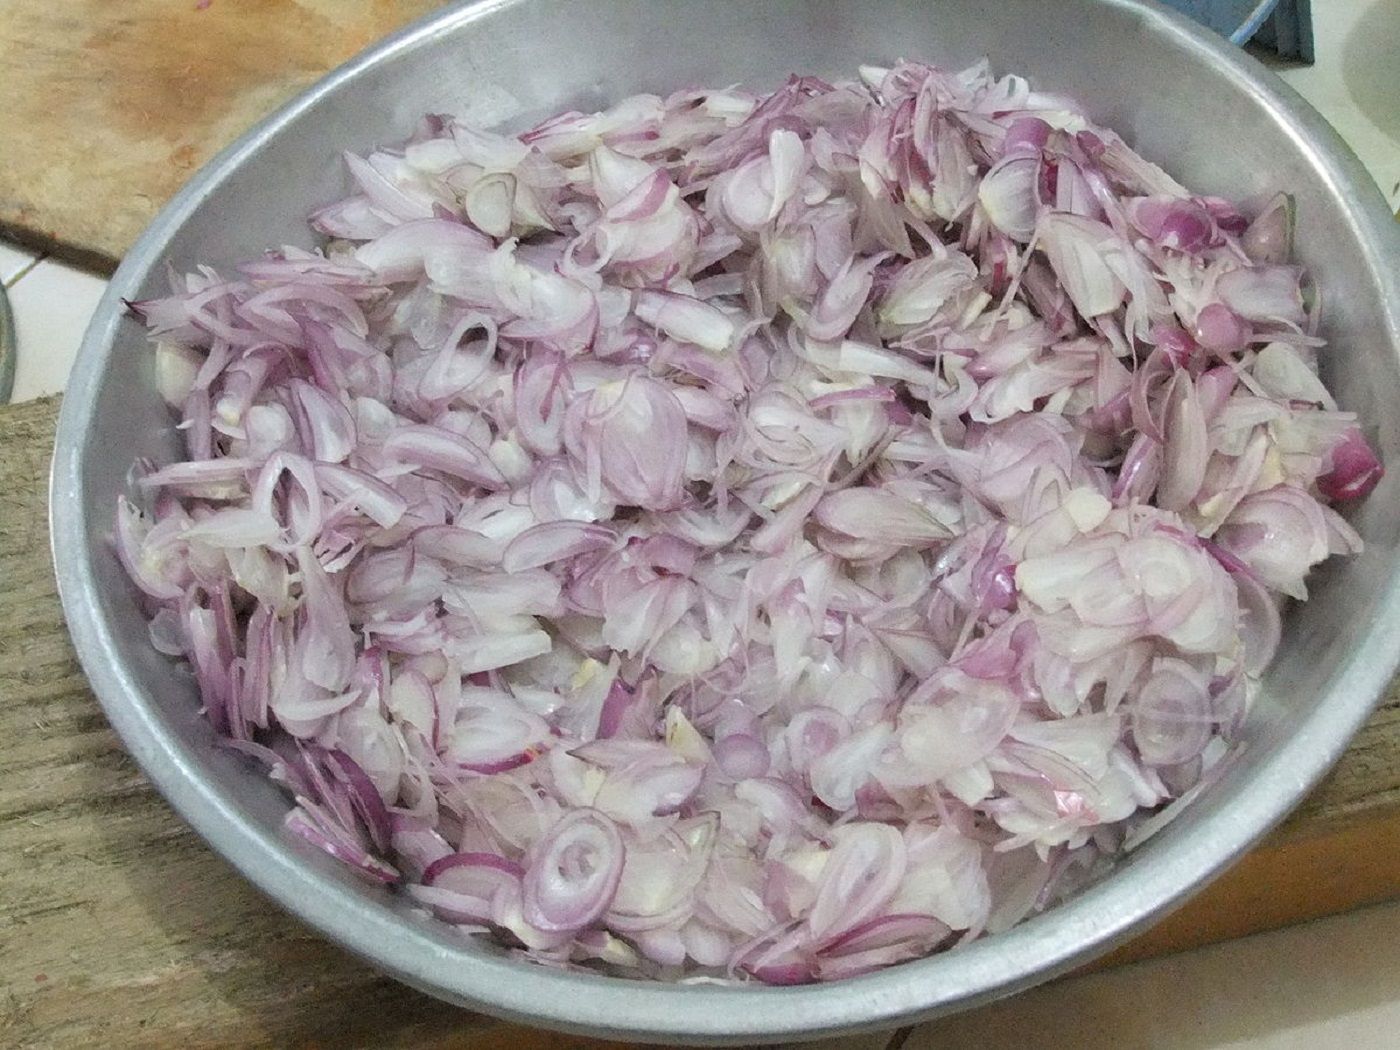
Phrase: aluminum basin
[1213,116]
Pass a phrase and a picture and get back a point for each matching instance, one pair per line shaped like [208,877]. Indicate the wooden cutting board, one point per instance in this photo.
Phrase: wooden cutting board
[108,106]
[119,928]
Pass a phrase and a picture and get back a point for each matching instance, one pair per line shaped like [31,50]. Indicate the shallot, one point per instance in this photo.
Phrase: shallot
[745,536]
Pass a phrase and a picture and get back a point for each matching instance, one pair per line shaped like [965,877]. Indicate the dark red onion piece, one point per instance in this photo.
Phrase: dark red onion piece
[615,706]
[1026,134]
[1090,144]
[364,796]
[1226,215]
[994,577]
[1175,342]
[1219,329]
[1353,469]
[1179,224]
[470,863]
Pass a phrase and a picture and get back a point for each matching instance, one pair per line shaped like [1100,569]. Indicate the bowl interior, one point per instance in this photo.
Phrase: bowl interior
[1214,119]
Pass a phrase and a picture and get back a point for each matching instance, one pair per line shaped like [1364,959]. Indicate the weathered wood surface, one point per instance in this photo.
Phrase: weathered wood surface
[108,106]
[119,928]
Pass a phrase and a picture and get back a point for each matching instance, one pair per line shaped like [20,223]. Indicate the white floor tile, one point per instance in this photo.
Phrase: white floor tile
[1331,983]
[13,259]
[1354,81]
[51,305]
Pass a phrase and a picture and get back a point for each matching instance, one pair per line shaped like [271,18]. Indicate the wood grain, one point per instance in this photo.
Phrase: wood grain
[119,928]
[108,106]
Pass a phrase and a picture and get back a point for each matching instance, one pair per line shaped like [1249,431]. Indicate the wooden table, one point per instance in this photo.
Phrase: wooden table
[119,928]
[108,106]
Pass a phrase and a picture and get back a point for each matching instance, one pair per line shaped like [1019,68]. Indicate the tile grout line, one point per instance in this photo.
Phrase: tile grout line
[25,270]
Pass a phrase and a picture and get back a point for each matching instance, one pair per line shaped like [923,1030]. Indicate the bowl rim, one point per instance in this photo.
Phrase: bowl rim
[981,971]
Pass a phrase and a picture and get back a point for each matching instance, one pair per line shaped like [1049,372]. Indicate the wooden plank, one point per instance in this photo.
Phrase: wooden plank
[119,928]
[108,107]
[1306,871]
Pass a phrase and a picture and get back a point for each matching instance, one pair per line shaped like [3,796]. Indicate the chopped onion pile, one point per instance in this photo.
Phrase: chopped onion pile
[736,536]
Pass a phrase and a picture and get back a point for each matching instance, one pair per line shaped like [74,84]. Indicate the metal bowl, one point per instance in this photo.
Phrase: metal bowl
[1213,116]
[7,349]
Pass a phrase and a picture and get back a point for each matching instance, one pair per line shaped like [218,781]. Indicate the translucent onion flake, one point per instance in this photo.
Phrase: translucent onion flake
[753,537]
